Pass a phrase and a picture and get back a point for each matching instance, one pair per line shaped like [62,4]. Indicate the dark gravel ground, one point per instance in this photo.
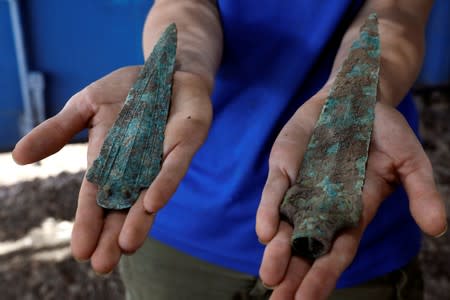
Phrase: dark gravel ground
[25,205]
[435,129]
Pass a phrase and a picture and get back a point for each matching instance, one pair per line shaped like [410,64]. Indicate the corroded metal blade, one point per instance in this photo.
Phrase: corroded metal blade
[131,154]
[327,195]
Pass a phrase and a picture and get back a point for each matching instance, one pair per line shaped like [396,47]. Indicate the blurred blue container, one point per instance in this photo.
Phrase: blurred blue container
[73,43]
[10,98]
[76,42]
[436,68]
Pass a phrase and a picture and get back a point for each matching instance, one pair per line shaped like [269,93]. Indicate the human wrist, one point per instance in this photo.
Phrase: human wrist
[199,48]
[402,40]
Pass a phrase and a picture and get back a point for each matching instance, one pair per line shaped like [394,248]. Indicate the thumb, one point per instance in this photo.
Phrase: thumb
[425,202]
[51,135]
[284,162]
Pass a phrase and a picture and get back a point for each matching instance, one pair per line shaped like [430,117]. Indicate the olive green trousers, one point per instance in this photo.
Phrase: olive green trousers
[159,272]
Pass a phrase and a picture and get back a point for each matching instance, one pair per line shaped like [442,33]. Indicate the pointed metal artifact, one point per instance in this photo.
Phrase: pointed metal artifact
[131,155]
[327,195]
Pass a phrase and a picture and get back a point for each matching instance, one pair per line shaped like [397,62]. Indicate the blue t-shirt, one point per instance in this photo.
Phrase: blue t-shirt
[277,54]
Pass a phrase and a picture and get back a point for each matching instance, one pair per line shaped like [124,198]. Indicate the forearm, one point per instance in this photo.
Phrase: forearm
[401,26]
[199,48]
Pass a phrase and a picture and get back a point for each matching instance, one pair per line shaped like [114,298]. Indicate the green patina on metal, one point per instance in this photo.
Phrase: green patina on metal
[327,195]
[131,155]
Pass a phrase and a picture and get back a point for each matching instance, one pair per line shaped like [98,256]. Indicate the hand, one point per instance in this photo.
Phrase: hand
[395,155]
[103,237]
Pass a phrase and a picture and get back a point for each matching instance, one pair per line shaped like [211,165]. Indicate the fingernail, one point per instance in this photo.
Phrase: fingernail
[128,252]
[150,213]
[105,275]
[81,260]
[147,210]
[261,242]
[269,287]
[443,232]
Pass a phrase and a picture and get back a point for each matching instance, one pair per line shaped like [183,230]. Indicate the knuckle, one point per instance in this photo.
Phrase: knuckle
[279,247]
[159,197]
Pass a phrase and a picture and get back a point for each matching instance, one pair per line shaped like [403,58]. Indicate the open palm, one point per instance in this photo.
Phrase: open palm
[100,235]
[395,156]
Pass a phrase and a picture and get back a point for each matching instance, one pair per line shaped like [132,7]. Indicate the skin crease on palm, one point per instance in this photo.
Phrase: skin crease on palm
[395,156]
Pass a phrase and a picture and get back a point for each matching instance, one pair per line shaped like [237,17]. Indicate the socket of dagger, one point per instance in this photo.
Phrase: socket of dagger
[317,218]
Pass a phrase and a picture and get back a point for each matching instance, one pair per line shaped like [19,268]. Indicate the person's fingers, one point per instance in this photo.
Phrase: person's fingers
[325,271]
[88,222]
[89,216]
[166,182]
[425,202]
[276,256]
[51,135]
[321,279]
[285,158]
[107,253]
[136,227]
[296,271]
[284,162]
[267,216]
[187,128]
[411,165]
